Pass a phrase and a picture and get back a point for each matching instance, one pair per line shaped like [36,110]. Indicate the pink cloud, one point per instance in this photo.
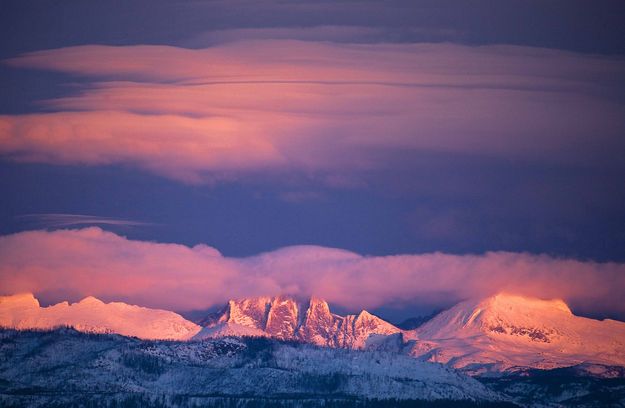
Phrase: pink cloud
[176,146]
[91,261]
[318,108]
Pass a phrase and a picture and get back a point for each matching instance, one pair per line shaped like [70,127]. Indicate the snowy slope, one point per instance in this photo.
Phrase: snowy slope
[283,317]
[92,315]
[506,331]
[228,330]
[73,362]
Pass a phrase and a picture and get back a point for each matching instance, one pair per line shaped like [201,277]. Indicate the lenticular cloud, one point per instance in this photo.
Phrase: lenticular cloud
[280,105]
[92,261]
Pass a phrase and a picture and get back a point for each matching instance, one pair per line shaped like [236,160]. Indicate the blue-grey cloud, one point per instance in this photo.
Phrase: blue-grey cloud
[72,220]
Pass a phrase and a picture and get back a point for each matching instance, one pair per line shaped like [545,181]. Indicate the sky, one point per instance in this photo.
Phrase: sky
[397,155]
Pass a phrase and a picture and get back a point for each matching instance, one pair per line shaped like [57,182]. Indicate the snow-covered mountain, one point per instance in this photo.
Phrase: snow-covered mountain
[283,317]
[67,368]
[92,315]
[506,332]
[502,333]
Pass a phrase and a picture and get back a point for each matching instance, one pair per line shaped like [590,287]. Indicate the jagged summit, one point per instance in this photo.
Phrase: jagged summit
[287,318]
[91,314]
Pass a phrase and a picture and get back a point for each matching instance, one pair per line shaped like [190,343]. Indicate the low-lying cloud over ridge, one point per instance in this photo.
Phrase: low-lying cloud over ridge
[310,107]
[92,261]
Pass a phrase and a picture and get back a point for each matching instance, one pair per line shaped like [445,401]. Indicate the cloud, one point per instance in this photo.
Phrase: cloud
[68,220]
[175,146]
[322,110]
[91,261]
[330,33]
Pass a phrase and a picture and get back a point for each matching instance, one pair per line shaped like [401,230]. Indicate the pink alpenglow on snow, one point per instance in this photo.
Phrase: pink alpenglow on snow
[501,333]
[507,331]
[92,315]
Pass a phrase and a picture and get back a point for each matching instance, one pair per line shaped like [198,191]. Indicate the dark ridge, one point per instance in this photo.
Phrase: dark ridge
[414,322]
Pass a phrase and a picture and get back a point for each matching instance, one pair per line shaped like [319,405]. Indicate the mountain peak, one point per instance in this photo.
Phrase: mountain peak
[318,306]
[19,300]
[250,312]
[504,300]
[503,313]
[92,315]
[283,317]
[91,301]
[510,330]
[364,315]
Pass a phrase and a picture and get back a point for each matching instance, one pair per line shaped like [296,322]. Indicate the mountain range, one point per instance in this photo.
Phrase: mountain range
[502,333]
[284,318]
[23,311]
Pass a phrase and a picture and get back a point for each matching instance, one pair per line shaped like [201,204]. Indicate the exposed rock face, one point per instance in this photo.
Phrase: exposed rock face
[285,318]
[320,326]
[250,312]
[282,318]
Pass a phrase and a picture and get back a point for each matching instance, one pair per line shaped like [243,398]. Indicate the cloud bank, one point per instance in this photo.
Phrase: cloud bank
[316,108]
[95,262]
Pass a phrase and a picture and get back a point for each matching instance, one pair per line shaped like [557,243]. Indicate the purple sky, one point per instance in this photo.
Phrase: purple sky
[380,128]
